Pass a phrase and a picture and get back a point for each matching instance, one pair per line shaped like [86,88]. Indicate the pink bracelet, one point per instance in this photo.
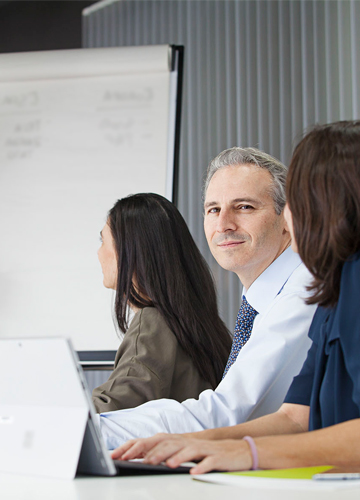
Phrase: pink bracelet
[254,454]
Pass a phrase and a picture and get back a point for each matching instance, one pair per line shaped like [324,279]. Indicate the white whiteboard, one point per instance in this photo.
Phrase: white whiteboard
[79,129]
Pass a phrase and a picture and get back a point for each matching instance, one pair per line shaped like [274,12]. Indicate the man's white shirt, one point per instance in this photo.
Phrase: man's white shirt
[256,383]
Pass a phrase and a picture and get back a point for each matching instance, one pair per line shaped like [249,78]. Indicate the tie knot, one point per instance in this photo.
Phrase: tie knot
[246,308]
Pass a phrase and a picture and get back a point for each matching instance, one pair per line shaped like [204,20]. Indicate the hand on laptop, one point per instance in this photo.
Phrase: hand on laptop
[175,449]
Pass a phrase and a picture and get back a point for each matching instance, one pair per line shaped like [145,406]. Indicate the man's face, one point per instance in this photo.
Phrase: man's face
[244,233]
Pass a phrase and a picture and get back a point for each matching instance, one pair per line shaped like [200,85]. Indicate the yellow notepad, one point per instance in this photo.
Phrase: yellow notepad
[296,473]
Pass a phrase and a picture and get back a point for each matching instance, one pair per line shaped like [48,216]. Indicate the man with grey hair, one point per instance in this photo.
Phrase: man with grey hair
[247,234]
[252,156]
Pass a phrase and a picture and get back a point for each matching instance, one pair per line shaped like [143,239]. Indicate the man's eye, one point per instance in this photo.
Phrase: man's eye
[213,210]
[246,207]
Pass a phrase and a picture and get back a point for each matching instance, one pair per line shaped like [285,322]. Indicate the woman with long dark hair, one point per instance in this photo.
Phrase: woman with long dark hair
[176,345]
[319,423]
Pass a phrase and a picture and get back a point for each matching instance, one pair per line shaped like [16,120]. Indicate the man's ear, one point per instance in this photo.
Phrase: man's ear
[286,227]
[284,223]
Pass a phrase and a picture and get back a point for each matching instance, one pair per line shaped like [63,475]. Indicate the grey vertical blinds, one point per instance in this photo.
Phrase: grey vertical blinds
[257,73]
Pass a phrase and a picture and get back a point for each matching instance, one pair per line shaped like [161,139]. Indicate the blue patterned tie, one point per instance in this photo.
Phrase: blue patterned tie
[242,332]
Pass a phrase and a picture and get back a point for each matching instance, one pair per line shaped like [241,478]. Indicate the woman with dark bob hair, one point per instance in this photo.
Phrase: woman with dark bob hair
[319,423]
[176,345]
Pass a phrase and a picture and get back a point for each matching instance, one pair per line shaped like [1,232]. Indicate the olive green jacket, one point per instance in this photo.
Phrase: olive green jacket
[150,364]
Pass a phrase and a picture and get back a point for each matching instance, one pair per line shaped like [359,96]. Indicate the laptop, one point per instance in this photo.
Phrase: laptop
[48,425]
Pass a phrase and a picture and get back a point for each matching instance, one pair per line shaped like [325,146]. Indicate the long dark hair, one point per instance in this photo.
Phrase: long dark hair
[323,192]
[159,265]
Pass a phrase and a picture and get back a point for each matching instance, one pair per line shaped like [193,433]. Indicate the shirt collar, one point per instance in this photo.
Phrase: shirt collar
[271,282]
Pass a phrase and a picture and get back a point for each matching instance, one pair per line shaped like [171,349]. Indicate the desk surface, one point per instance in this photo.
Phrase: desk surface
[170,487]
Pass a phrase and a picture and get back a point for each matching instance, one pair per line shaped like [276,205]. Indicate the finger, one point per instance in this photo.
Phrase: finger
[136,448]
[186,454]
[214,462]
[176,451]
[192,450]
[136,451]
[163,451]
[118,452]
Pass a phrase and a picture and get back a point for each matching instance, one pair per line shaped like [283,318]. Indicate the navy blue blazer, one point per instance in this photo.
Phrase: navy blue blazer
[329,381]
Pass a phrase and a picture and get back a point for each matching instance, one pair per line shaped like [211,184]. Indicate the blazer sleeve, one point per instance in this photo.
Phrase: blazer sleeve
[300,390]
[347,322]
[141,373]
